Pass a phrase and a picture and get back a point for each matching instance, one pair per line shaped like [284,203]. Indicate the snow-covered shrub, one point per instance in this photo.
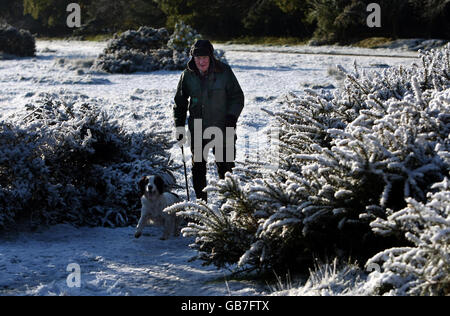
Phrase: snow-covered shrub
[70,162]
[423,268]
[16,42]
[183,37]
[142,50]
[17,167]
[144,39]
[148,49]
[347,159]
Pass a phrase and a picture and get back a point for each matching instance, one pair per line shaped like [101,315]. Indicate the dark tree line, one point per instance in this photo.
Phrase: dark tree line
[325,20]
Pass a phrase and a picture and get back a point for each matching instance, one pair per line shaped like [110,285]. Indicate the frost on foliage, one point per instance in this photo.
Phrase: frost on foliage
[68,161]
[423,268]
[329,279]
[148,49]
[347,158]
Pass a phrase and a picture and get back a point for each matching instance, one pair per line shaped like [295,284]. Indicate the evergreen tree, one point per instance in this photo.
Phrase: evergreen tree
[183,37]
[435,15]
[10,9]
[51,13]
[113,16]
[277,18]
[221,18]
[345,20]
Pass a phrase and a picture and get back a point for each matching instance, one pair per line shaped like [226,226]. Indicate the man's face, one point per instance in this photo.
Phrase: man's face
[202,63]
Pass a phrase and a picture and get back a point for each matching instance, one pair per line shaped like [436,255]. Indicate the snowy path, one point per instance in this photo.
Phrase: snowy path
[112,262]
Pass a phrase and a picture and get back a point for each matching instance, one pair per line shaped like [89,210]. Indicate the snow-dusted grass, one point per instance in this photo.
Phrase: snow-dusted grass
[328,279]
[111,261]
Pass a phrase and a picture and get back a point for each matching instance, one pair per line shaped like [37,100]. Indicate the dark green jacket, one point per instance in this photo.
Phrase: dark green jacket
[211,99]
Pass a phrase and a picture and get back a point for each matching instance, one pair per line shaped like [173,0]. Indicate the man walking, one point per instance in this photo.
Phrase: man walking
[210,91]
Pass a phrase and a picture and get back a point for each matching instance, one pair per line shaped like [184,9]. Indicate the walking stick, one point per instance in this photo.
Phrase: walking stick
[185,173]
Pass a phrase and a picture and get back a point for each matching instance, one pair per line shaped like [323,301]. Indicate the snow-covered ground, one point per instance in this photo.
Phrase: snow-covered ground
[111,261]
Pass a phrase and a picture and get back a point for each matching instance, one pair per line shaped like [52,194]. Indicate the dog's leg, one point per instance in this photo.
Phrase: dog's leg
[140,227]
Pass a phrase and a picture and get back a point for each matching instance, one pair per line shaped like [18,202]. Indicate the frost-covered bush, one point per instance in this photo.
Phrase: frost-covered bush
[16,42]
[129,61]
[71,162]
[347,159]
[148,49]
[142,50]
[423,268]
[183,37]
[144,39]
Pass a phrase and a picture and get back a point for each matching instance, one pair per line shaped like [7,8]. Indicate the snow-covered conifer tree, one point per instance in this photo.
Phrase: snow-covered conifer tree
[183,37]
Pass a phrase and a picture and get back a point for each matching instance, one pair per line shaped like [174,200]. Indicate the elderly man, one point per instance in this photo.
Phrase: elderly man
[210,91]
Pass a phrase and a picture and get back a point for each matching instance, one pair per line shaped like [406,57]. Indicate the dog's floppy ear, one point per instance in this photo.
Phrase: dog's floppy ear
[141,185]
[159,183]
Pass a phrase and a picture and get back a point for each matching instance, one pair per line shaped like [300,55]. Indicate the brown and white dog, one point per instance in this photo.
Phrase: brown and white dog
[154,200]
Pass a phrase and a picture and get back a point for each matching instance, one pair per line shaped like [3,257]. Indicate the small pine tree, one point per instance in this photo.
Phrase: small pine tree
[183,37]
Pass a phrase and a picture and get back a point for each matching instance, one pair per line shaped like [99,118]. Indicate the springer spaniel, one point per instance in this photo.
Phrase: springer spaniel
[154,200]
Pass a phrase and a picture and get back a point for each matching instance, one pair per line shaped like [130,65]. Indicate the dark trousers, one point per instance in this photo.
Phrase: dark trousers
[223,165]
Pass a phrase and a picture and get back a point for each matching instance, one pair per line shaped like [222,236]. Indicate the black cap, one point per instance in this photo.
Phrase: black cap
[202,48]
